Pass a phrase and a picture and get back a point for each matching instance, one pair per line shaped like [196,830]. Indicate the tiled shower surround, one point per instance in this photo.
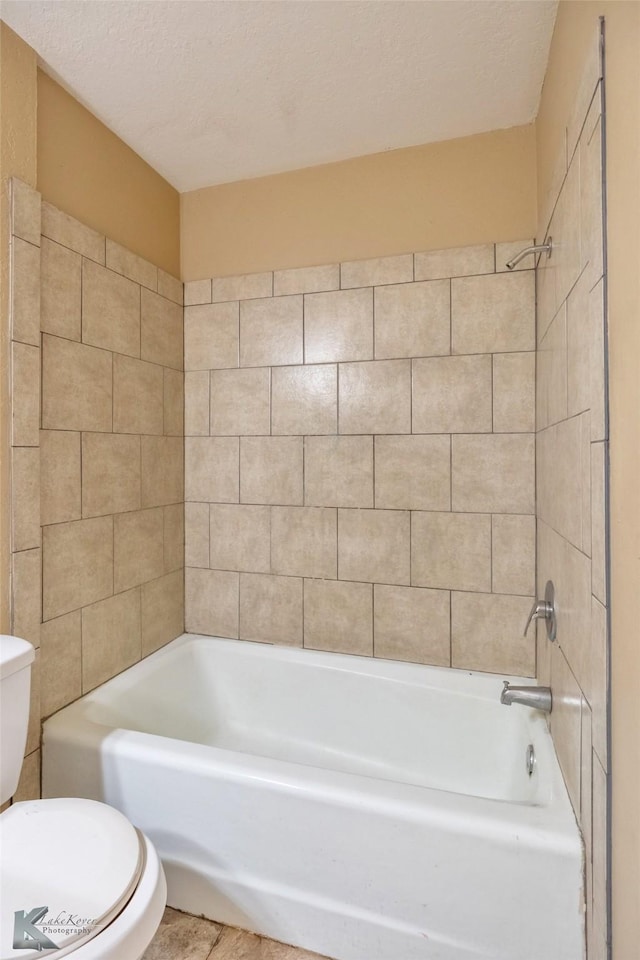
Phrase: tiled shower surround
[359,457]
[97,463]
[572,440]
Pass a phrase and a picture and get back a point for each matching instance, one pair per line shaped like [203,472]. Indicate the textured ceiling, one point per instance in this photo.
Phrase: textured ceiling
[210,91]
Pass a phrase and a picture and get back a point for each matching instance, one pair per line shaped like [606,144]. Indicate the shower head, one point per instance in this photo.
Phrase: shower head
[545,247]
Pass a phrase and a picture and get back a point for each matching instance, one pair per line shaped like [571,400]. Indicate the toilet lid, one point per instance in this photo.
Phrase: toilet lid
[67,868]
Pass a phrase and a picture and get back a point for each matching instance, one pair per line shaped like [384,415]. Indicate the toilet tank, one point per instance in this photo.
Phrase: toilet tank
[16,657]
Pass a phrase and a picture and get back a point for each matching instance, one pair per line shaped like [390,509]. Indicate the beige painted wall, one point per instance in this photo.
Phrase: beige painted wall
[454,193]
[17,159]
[574,27]
[623,192]
[87,171]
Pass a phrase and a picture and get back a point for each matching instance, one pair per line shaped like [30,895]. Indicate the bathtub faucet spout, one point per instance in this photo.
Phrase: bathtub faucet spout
[537,697]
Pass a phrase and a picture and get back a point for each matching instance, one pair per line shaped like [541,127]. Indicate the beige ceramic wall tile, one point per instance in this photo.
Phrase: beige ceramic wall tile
[250,286]
[211,469]
[196,403]
[25,399]
[411,624]
[580,347]
[375,397]
[211,336]
[412,473]
[591,73]
[306,280]
[138,539]
[599,426]
[513,554]
[196,534]
[565,722]
[162,470]
[240,402]
[60,476]
[305,399]
[585,465]
[599,680]
[26,595]
[455,262]
[77,565]
[506,252]
[25,498]
[598,532]
[338,471]
[29,783]
[162,611]
[211,602]
[562,471]
[271,331]
[197,291]
[76,386]
[25,212]
[374,545]
[111,638]
[452,395]
[173,537]
[565,229]
[25,292]
[61,662]
[551,373]
[514,387]
[413,320]
[591,238]
[61,291]
[586,776]
[162,331]
[366,273]
[493,314]
[62,228]
[304,541]
[110,474]
[543,656]
[338,616]
[123,261]
[338,326]
[570,571]
[33,725]
[600,869]
[137,396]
[271,609]
[546,304]
[451,551]
[173,395]
[271,470]
[493,473]
[110,310]
[240,537]
[170,287]
[486,634]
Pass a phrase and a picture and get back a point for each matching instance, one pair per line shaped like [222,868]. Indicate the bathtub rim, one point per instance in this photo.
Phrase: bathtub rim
[553,817]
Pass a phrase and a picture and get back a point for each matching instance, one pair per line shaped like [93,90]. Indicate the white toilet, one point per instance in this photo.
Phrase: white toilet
[76,878]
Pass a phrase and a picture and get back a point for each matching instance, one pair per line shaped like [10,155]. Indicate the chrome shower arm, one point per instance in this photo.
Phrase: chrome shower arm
[536,248]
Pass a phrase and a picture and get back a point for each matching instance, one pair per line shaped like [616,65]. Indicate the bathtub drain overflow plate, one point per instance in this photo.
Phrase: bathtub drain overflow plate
[530,759]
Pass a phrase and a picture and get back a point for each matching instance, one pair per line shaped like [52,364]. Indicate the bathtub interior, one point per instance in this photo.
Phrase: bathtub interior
[424,726]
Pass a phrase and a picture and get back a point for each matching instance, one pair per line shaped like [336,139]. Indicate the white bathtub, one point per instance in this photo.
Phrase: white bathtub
[362,809]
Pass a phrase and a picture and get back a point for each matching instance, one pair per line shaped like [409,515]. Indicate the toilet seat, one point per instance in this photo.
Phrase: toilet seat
[79,859]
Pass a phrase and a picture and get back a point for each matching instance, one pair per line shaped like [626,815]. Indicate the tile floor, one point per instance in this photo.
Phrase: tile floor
[183,937]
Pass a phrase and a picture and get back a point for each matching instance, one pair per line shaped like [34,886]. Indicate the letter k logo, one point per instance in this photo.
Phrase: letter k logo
[26,936]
